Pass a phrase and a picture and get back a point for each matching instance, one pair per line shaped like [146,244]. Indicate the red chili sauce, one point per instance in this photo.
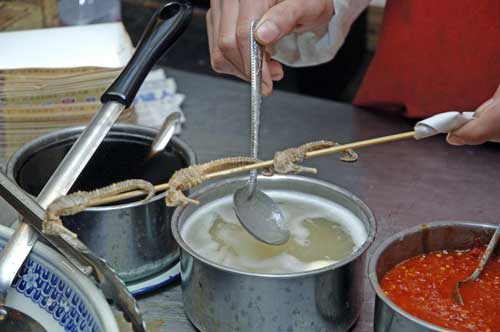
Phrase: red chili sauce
[423,286]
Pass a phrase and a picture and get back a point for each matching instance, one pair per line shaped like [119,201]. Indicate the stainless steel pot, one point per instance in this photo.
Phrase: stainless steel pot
[222,299]
[412,242]
[133,237]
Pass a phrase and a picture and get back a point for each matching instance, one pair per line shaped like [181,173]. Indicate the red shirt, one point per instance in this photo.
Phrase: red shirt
[434,56]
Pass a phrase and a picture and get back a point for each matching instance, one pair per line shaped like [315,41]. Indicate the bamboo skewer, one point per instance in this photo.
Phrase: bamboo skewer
[264,164]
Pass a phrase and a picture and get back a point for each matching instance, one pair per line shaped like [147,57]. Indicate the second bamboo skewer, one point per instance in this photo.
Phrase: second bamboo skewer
[265,164]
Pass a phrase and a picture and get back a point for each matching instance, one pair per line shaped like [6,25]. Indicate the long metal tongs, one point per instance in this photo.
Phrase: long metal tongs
[163,30]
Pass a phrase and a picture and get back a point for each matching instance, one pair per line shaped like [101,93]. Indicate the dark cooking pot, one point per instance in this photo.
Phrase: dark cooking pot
[133,237]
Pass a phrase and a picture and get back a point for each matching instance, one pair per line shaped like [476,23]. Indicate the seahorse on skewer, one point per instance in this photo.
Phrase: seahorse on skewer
[77,202]
[285,162]
[192,176]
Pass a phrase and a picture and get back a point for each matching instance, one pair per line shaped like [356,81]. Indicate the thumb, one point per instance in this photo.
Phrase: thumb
[497,92]
[283,18]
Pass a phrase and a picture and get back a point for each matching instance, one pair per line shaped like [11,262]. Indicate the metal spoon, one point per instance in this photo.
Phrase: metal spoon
[165,134]
[256,211]
[482,264]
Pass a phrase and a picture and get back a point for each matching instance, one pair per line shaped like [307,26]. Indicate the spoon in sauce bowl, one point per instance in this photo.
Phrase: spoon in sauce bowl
[482,264]
[255,210]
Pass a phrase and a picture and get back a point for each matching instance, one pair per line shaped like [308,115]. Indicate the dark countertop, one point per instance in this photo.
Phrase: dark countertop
[404,183]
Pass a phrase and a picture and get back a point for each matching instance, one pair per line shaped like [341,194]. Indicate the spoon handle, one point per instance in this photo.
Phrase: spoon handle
[166,132]
[255,101]
[486,256]
[457,297]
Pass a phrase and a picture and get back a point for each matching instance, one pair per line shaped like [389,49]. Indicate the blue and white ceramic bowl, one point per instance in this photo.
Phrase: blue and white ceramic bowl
[55,294]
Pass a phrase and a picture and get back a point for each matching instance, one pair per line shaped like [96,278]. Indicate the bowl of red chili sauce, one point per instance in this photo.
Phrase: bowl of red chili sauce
[413,274]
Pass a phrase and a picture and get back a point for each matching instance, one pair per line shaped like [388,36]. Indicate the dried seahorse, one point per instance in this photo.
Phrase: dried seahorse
[192,176]
[79,201]
[285,162]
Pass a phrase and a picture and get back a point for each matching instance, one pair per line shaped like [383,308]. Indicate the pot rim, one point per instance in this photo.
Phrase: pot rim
[380,249]
[56,136]
[371,229]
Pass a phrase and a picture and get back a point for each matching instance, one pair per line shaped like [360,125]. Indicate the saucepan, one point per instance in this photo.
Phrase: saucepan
[133,237]
[223,299]
[444,235]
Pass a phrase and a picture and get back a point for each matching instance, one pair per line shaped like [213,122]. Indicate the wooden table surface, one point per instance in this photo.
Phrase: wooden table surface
[404,183]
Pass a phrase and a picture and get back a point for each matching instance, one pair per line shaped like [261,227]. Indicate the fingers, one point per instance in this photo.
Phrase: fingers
[226,37]
[228,28]
[276,70]
[293,15]
[486,127]
[497,93]
[267,81]
[483,107]
[218,60]
[249,10]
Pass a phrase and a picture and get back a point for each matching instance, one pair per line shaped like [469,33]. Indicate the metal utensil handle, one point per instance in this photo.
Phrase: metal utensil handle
[166,132]
[255,100]
[80,153]
[486,255]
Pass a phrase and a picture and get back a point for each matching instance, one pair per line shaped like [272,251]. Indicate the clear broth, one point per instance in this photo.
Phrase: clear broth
[322,233]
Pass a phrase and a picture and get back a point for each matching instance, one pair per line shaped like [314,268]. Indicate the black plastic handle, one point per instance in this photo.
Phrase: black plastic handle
[163,30]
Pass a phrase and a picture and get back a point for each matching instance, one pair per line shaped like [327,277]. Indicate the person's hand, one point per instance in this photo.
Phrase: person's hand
[228,27]
[486,126]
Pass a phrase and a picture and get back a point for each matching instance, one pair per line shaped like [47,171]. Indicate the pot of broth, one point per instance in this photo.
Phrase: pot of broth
[134,237]
[314,282]
[414,273]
